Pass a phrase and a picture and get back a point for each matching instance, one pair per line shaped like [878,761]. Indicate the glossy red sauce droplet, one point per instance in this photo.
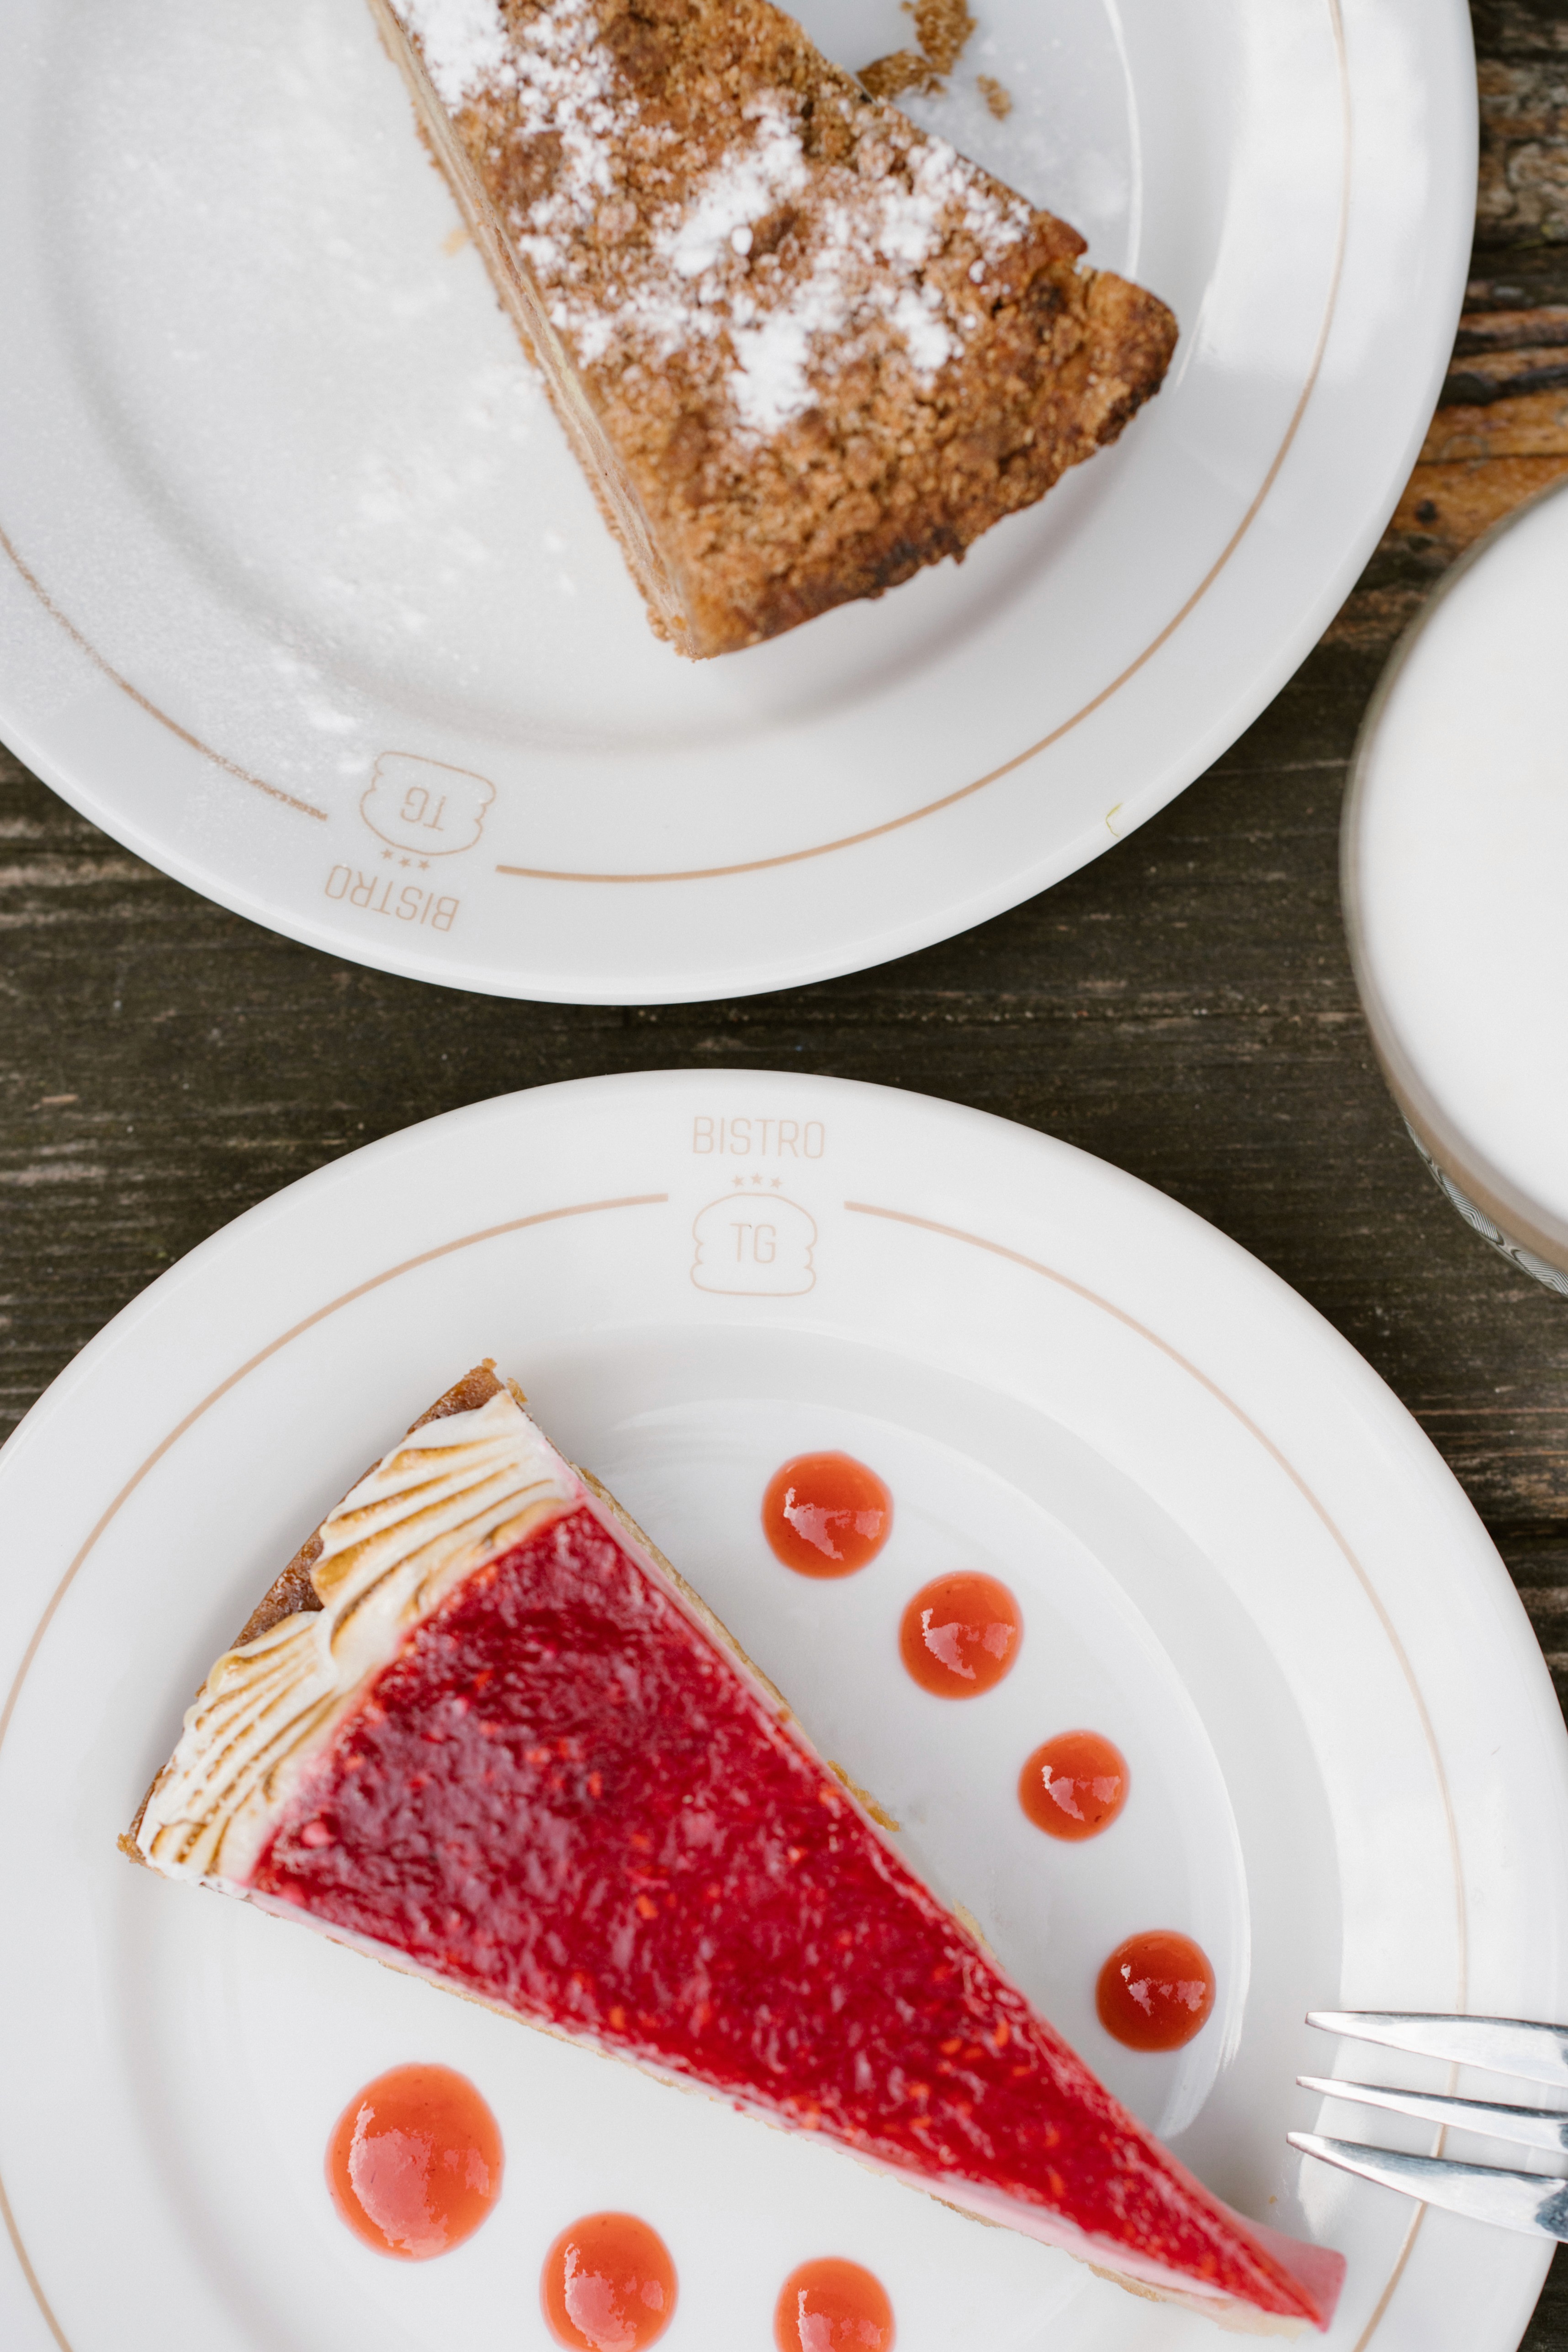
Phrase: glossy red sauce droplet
[832,2305]
[608,2285]
[415,2162]
[1156,1990]
[960,1634]
[827,1514]
[1074,1786]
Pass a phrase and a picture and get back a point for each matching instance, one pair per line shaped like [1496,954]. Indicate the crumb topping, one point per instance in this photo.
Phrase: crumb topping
[943,28]
[802,347]
[901,70]
[463,43]
[652,236]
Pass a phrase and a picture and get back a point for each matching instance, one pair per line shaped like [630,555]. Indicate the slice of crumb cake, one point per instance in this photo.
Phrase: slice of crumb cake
[801,347]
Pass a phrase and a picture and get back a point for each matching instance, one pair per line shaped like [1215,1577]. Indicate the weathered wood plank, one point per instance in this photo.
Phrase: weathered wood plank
[1500,433]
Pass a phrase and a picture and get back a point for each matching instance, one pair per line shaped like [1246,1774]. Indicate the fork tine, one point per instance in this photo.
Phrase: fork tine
[1502,2045]
[1529,2127]
[1530,2202]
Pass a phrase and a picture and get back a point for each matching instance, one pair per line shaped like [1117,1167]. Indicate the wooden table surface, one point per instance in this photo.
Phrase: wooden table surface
[1183,1007]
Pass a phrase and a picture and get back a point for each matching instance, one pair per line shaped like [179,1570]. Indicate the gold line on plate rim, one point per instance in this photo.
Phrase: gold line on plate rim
[273,792]
[1094,1298]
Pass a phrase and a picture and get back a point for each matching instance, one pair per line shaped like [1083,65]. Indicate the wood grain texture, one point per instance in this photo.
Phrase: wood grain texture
[1501,433]
[1183,1007]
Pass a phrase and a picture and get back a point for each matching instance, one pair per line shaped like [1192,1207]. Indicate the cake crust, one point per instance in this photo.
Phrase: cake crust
[292,1591]
[801,348]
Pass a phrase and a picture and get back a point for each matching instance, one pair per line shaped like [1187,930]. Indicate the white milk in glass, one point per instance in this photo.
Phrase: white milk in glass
[1456,879]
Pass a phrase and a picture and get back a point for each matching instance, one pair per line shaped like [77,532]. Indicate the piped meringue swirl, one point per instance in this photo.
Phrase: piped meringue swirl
[456,1493]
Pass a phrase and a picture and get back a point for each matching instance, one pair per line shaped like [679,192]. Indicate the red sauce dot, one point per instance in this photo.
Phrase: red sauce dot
[415,2162]
[607,2285]
[1074,1786]
[827,1514]
[832,2305]
[960,1634]
[1156,1990]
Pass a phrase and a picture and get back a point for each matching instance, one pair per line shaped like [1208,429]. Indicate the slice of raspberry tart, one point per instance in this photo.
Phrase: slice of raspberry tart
[481,1729]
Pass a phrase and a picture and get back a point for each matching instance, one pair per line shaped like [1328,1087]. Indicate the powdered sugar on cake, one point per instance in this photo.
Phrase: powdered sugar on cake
[740,191]
[463,42]
[769,271]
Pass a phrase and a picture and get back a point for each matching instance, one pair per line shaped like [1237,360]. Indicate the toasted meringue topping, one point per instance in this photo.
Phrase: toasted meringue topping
[454,1494]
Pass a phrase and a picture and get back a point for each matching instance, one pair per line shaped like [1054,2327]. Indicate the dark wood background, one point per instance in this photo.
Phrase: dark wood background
[1184,1007]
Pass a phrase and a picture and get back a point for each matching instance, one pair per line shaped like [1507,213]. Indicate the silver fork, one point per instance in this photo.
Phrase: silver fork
[1532,2202]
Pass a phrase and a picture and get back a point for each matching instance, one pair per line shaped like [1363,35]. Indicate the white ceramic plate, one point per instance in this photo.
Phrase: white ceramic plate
[307,603]
[1236,1554]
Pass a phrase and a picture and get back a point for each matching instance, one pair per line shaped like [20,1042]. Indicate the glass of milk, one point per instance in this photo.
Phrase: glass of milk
[1456,883]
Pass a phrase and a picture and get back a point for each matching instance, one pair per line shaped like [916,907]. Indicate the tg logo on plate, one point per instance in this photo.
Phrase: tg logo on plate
[755,1242]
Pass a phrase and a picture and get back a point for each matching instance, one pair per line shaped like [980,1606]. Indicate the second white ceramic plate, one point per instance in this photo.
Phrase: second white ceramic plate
[1235,1553]
[306,600]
